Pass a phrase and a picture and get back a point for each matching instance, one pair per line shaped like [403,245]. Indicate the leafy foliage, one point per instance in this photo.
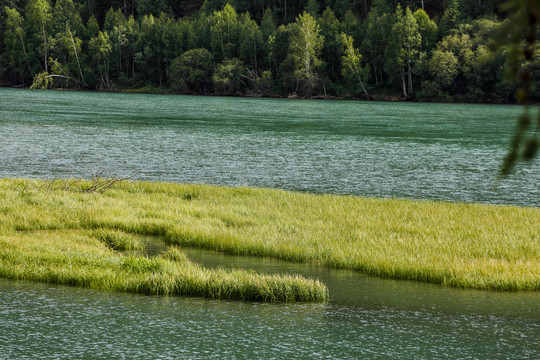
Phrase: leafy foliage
[228,76]
[190,73]
[305,49]
[423,50]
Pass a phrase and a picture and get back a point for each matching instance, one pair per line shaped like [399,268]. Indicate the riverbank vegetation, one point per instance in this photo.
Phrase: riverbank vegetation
[70,237]
[425,50]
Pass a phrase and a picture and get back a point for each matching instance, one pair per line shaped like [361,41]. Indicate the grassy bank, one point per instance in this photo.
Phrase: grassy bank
[462,245]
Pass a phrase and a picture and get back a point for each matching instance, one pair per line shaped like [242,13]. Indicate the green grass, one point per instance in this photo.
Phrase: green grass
[461,245]
[79,258]
[118,240]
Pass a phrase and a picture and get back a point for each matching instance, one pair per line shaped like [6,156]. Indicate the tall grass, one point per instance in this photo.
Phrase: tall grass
[462,245]
[118,240]
[78,258]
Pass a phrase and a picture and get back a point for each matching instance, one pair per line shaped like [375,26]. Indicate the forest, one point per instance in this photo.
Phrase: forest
[424,50]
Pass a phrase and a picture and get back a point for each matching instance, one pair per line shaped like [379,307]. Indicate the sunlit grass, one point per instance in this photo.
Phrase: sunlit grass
[462,245]
[79,258]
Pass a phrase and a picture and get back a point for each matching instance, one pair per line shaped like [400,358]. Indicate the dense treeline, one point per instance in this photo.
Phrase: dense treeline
[421,49]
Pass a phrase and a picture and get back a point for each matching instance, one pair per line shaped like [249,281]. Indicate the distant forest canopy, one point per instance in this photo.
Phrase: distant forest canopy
[420,49]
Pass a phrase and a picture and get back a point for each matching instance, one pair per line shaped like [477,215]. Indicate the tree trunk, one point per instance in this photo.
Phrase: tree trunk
[359,78]
[365,9]
[26,57]
[362,85]
[83,82]
[255,54]
[409,73]
[45,48]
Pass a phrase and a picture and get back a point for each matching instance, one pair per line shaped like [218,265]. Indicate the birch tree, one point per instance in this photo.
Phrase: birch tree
[403,45]
[38,22]
[350,61]
[305,49]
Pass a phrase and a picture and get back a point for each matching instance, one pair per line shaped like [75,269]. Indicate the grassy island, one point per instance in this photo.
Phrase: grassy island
[76,238]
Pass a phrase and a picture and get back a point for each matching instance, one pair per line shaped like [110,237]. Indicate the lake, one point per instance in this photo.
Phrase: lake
[444,152]
[406,150]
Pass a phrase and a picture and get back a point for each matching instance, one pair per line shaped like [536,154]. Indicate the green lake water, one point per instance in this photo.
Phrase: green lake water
[406,150]
[420,151]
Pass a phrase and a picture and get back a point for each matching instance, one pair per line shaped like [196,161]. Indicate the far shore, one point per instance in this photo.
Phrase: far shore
[380,97]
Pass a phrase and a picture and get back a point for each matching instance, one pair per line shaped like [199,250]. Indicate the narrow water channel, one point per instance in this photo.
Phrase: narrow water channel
[351,288]
[366,318]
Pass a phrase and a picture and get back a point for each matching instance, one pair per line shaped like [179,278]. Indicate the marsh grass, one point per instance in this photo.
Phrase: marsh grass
[118,240]
[77,258]
[461,245]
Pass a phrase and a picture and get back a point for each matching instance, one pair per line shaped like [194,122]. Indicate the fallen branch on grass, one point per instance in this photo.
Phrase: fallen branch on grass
[99,182]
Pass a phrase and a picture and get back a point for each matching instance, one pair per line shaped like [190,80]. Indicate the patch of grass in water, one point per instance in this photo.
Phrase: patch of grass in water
[461,245]
[78,258]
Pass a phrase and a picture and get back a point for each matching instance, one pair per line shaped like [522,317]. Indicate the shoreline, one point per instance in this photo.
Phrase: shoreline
[380,97]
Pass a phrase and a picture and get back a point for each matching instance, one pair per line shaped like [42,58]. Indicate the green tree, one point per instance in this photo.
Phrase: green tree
[92,27]
[225,33]
[331,50]
[281,62]
[58,76]
[450,19]
[199,32]
[113,18]
[100,50]
[350,61]
[351,24]
[228,76]
[461,46]
[154,54]
[250,42]
[268,27]
[192,72]
[65,14]
[263,84]
[427,28]
[132,33]
[67,46]
[444,67]
[14,41]
[38,24]
[403,45]
[377,30]
[305,49]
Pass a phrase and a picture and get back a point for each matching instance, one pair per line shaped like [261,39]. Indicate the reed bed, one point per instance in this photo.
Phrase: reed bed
[462,245]
[79,258]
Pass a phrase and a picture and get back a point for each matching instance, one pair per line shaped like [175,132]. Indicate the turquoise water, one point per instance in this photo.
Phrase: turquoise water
[407,150]
[420,151]
[366,318]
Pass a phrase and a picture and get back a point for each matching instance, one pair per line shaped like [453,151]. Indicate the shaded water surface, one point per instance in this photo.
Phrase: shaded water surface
[408,150]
